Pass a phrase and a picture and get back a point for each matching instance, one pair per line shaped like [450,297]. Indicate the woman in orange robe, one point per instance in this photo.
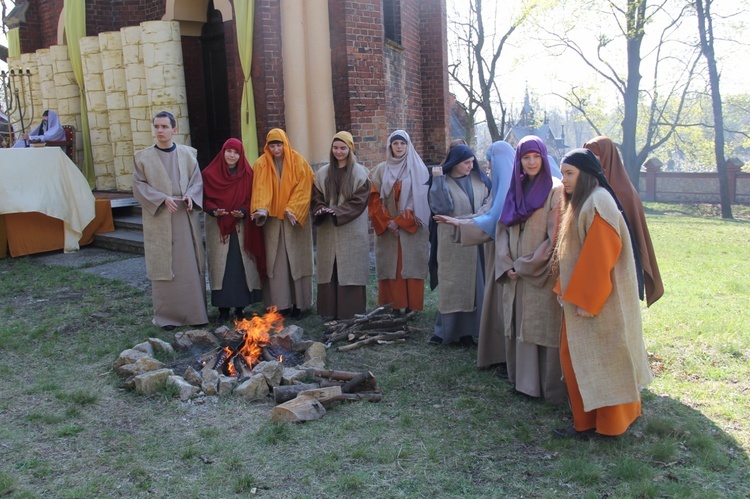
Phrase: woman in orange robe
[602,353]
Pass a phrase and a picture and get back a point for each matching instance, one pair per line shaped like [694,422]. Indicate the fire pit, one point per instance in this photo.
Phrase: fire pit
[250,359]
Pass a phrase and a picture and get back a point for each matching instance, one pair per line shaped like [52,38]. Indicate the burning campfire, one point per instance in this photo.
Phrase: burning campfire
[245,346]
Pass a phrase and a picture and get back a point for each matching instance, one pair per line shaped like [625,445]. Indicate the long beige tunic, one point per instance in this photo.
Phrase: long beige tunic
[607,350]
[531,314]
[345,244]
[289,251]
[415,248]
[491,343]
[457,264]
[175,260]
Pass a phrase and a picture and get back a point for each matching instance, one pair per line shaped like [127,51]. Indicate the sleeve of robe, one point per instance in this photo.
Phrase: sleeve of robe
[195,186]
[534,267]
[590,284]
[301,194]
[380,217]
[439,197]
[148,197]
[470,234]
[353,208]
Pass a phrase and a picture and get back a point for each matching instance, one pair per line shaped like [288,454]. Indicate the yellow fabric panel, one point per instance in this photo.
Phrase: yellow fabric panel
[74,12]
[244,13]
[14,43]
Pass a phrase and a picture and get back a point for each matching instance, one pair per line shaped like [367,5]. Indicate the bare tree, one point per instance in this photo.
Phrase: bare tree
[655,128]
[706,32]
[475,66]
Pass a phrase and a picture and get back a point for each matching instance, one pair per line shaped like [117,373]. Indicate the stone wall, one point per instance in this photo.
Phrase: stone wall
[131,75]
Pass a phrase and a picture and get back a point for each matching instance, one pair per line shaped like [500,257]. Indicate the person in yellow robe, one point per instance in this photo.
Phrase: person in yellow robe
[282,191]
[602,353]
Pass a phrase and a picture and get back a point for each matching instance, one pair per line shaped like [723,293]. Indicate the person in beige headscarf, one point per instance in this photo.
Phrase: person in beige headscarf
[400,216]
[604,149]
[339,206]
[282,190]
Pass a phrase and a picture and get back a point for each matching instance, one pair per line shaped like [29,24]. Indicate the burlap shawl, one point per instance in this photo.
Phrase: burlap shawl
[157,222]
[527,248]
[415,248]
[607,351]
[457,264]
[347,244]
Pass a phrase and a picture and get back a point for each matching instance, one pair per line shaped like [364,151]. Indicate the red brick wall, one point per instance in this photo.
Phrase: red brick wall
[40,29]
[358,69]
[435,109]
[380,86]
[403,79]
[42,17]
[111,15]
[267,72]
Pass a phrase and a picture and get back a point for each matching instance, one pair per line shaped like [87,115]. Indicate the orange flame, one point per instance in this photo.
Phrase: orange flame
[257,333]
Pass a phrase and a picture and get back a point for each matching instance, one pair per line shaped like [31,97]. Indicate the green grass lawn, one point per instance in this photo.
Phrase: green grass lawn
[443,429]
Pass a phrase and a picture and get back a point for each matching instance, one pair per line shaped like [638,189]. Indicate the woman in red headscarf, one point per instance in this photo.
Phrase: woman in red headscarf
[234,244]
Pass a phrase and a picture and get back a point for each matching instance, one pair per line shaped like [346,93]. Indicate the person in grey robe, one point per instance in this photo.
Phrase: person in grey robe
[459,188]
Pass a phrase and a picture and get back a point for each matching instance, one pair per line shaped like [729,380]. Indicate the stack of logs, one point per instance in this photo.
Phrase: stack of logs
[377,327]
[309,401]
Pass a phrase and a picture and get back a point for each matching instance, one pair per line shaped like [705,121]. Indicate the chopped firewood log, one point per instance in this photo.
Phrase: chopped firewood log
[359,383]
[319,393]
[331,374]
[267,356]
[366,382]
[373,339]
[208,356]
[330,402]
[284,393]
[240,365]
[298,409]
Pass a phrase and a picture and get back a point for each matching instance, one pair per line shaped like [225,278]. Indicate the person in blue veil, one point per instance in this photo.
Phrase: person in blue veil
[554,167]
[500,156]
[481,230]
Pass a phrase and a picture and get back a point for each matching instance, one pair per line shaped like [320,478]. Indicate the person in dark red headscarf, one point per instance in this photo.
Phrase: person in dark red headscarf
[234,244]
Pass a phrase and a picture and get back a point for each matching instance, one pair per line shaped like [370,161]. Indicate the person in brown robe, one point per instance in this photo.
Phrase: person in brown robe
[339,205]
[614,171]
[168,185]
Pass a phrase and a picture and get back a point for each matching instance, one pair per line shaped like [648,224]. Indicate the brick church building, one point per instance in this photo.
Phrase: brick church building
[367,66]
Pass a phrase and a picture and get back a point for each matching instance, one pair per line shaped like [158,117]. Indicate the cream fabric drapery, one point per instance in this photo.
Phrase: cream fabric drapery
[244,14]
[74,12]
